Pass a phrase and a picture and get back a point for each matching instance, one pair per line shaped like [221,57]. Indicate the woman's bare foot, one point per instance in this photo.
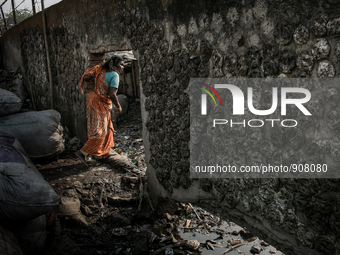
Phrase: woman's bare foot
[81,157]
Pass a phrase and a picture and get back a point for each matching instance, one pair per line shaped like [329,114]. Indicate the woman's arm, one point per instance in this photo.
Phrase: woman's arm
[114,99]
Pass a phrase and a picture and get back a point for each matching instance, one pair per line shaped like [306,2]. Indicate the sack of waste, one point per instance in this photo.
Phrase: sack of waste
[9,103]
[39,132]
[31,234]
[9,243]
[24,193]
[70,207]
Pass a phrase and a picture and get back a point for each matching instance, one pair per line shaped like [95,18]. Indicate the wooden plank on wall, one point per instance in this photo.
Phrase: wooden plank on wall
[14,17]
[135,78]
[96,56]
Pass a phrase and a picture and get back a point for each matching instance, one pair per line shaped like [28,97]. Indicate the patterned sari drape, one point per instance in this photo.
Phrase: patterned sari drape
[98,115]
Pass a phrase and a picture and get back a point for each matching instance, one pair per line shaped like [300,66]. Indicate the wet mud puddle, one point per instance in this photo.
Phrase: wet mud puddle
[217,236]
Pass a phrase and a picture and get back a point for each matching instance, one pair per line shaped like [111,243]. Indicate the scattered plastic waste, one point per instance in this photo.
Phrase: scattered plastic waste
[169,251]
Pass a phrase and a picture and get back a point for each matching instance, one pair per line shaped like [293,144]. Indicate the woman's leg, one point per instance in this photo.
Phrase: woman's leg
[81,157]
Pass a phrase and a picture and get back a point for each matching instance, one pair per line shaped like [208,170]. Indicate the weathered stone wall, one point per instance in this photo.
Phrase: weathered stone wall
[74,29]
[33,47]
[234,39]
[177,40]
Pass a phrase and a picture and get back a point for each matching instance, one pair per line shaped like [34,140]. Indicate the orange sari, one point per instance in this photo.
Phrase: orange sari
[98,115]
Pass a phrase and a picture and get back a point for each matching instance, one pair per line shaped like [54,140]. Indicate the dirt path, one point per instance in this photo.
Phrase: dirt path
[101,202]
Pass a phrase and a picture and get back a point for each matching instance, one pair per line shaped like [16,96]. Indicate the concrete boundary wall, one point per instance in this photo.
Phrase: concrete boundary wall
[178,40]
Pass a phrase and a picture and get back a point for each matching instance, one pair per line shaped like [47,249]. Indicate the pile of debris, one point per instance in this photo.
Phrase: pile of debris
[111,210]
[193,230]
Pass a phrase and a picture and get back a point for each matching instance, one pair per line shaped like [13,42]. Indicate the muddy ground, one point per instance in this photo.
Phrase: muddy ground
[107,209]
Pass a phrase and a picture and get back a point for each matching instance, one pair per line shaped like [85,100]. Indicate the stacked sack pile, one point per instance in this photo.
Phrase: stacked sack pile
[27,201]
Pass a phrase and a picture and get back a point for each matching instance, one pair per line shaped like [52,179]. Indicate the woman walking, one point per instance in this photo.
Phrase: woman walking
[105,81]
